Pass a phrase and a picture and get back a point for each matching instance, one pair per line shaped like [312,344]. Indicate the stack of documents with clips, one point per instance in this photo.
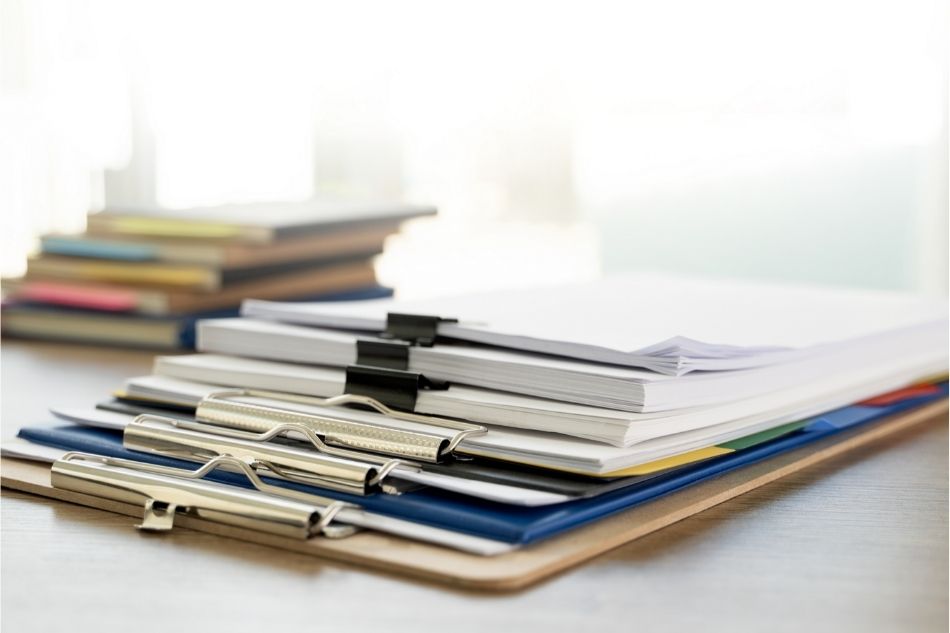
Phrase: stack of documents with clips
[494,422]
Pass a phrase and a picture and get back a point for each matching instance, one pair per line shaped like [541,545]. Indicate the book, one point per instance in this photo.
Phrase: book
[54,323]
[221,254]
[144,276]
[258,223]
[157,301]
[194,277]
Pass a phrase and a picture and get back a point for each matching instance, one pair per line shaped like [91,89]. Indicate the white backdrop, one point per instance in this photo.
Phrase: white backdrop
[794,140]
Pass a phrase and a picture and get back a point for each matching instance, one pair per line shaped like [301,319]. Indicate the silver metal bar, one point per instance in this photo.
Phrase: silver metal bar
[220,408]
[165,492]
[329,467]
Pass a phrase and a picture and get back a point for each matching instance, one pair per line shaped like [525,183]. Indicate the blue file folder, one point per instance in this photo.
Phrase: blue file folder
[506,523]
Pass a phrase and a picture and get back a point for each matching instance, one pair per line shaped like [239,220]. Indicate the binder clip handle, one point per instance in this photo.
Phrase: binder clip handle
[160,512]
[418,329]
[394,388]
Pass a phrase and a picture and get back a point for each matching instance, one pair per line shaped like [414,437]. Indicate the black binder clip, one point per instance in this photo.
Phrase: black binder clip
[388,354]
[418,329]
[393,387]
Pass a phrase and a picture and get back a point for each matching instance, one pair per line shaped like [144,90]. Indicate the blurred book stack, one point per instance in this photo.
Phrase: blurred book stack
[142,277]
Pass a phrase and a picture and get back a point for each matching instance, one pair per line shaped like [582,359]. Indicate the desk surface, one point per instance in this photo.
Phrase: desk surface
[858,543]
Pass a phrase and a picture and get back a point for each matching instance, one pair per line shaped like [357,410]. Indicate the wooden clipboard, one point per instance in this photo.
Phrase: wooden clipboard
[529,565]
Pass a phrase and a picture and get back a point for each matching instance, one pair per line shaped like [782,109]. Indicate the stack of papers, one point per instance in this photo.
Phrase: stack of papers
[560,379]
[527,413]
[664,324]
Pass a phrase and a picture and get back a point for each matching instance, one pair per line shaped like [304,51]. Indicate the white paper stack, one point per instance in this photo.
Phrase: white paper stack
[579,382]
[665,324]
[551,371]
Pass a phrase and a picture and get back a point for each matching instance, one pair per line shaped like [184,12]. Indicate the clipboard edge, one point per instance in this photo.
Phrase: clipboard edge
[532,564]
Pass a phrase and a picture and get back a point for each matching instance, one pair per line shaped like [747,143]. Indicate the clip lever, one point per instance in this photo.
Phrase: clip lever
[418,329]
[167,492]
[219,408]
[393,387]
[328,467]
[389,354]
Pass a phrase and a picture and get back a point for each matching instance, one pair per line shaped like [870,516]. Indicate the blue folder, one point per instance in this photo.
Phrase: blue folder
[502,522]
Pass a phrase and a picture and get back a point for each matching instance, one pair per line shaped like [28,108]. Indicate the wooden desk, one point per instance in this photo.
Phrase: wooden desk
[859,543]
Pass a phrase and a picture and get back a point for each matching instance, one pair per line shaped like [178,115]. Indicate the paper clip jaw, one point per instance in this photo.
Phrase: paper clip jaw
[166,492]
[219,408]
[324,466]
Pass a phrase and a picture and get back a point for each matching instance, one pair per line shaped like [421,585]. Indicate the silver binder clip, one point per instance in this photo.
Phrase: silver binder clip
[221,408]
[167,492]
[329,467]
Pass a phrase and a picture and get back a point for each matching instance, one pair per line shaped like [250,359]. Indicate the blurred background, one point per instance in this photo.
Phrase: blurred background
[800,140]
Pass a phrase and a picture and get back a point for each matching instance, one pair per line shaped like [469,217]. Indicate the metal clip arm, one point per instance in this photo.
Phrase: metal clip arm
[328,467]
[219,408]
[164,490]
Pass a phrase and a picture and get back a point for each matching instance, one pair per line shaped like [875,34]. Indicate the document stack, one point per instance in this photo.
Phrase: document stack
[143,277]
[491,440]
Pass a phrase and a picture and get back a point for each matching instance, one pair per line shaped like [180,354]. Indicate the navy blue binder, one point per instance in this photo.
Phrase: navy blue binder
[514,524]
